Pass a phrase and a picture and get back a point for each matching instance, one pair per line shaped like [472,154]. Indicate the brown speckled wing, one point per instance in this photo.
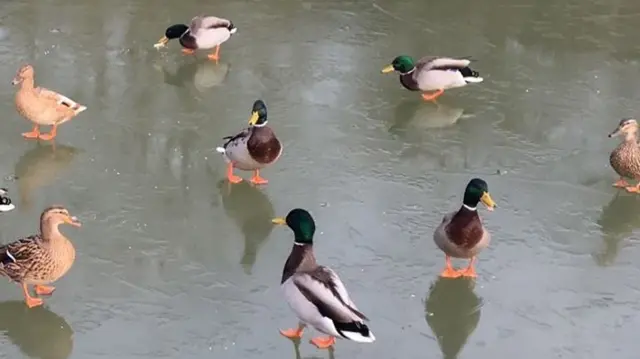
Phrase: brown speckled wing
[19,258]
[263,145]
[465,229]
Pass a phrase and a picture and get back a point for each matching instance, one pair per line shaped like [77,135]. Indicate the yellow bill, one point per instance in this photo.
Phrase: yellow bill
[254,118]
[279,221]
[161,43]
[387,69]
[488,201]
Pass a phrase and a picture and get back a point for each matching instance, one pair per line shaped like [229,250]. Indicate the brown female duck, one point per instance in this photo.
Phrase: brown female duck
[625,159]
[461,233]
[41,106]
[252,149]
[40,259]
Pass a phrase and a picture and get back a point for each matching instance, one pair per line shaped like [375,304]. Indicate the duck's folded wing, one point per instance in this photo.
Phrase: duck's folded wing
[58,98]
[340,288]
[200,23]
[447,63]
[212,22]
[319,287]
[233,139]
[17,257]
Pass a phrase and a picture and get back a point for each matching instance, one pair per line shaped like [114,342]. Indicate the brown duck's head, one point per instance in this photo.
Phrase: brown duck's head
[627,126]
[478,191]
[301,223]
[56,215]
[258,114]
[25,72]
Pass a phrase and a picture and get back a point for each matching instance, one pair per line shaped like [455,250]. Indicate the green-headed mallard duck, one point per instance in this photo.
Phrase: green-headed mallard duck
[252,149]
[316,293]
[204,33]
[625,159]
[42,258]
[461,233]
[433,74]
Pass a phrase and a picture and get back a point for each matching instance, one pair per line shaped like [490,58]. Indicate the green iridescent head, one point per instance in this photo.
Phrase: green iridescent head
[301,223]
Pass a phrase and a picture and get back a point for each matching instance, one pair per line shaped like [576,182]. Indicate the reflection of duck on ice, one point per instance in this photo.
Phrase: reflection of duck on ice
[452,311]
[203,74]
[37,332]
[409,114]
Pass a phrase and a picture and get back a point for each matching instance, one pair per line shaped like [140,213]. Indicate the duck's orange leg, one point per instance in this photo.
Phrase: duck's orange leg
[323,342]
[432,96]
[621,183]
[256,179]
[35,132]
[51,135]
[216,55]
[230,176]
[448,271]
[188,51]
[28,299]
[470,270]
[633,189]
[44,289]
[294,333]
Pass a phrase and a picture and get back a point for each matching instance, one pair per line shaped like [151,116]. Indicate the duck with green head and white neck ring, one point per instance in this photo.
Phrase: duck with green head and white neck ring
[461,233]
[433,74]
[315,293]
[252,149]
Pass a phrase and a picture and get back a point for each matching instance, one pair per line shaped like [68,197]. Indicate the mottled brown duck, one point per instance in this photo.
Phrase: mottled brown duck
[40,259]
[625,159]
[252,149]
[461,233]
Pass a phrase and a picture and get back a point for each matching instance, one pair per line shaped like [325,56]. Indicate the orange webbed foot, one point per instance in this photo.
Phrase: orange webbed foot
[323,342]
[47,136]
[213,57]
[450,273]
[257,180]
[621,183]
[31,134]
[33,302]
[234,179]
[292,333]
[188,51]
[35,132]
[469,272]
[432,96]
[633,189]
[44,290]
[230,176]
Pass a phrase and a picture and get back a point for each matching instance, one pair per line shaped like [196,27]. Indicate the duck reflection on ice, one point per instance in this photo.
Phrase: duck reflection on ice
[37,332]
[41,166]
[204,74]
[296,348]
[252,211]
[618,220]
[422,116]
[452,310]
